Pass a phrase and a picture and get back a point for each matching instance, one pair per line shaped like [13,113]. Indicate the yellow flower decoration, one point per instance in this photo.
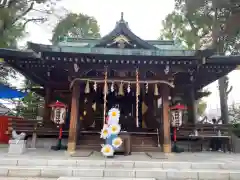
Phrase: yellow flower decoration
[117,142]
[105,133]
[107,150]
[114,129]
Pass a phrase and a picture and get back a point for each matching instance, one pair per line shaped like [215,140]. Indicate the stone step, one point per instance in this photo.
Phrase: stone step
[102,178]
[27,178]
[72,178]
[120,164]
[158,173]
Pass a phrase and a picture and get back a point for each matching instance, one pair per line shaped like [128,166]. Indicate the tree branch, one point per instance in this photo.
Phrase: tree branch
[191,25]
[31,20]
[230,89]
[24,13]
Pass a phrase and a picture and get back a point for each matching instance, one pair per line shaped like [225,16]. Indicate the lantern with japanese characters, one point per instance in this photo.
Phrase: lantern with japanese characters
[58,114]
[176,122]
[177,115]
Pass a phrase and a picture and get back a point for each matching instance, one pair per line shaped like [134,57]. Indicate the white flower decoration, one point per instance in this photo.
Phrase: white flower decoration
[113,116]
[114,129]
[117,142]
[105,133]
[107,150]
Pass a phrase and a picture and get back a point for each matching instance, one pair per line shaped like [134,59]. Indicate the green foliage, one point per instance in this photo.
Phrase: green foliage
[201,107]
[14,16]
[192,21]
[76,26]
[234,113]
[29,106]
[197,23]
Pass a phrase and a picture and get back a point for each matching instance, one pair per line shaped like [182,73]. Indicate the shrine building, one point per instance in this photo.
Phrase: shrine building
[143,78]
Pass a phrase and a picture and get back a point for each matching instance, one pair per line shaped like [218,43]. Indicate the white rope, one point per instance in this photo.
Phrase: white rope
[121,81]
[105,97]
[137,100]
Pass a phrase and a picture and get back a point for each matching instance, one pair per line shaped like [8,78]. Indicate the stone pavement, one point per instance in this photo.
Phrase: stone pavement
[138,156]
[41,163]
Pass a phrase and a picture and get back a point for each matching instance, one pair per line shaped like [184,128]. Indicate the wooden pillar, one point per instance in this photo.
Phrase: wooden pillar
[72,137]
[47,109]
[166,119]
[192,107]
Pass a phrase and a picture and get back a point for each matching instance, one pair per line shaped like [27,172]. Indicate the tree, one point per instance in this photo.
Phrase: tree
[28,107]
[14,16]
[202,22]
[77,26]
[234,113]
[201,107]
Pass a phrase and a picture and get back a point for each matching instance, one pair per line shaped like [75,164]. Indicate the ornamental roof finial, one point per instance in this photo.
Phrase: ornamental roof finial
[122,16]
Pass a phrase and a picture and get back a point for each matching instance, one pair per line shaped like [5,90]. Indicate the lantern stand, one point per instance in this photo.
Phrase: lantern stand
[58,117]
[176,122]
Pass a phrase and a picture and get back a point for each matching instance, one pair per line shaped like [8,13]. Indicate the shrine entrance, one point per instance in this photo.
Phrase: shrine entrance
[91,110]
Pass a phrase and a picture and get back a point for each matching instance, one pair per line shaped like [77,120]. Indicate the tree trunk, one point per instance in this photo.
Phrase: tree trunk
[218,45]
[223,99]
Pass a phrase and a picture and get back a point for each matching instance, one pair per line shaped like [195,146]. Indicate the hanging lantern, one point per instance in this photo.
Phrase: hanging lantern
[58,114]
[176,119]
[120,91]
[87,88]
[177,115]
[95,86]
[129,88]
[156,90]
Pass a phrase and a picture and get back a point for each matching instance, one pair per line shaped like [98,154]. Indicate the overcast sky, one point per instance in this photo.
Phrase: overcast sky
[144,18]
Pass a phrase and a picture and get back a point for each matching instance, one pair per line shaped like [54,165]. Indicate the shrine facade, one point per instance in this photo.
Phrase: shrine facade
[142,78]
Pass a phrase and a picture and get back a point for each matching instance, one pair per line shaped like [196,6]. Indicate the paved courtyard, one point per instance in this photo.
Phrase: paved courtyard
[136,156]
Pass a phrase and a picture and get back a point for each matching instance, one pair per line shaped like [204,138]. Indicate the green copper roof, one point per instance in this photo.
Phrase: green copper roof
[117,51]
[80,43]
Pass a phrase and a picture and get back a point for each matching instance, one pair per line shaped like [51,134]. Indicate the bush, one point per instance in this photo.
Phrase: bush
[236,129]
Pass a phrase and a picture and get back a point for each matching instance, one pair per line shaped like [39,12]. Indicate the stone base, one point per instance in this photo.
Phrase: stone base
[17,146]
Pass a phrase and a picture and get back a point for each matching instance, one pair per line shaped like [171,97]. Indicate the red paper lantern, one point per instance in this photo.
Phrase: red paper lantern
[176,115]
[58,114]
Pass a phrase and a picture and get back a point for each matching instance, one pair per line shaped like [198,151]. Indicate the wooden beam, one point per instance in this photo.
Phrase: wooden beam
[166,120]
[72,137]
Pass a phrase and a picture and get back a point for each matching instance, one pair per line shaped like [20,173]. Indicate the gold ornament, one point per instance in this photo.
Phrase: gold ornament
[120,91]
[87,88]
[94,107]
[156,90]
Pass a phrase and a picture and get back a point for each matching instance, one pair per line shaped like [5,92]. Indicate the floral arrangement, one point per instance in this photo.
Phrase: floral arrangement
[110,133]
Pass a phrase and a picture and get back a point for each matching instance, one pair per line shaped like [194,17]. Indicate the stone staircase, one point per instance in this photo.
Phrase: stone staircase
[72,169]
